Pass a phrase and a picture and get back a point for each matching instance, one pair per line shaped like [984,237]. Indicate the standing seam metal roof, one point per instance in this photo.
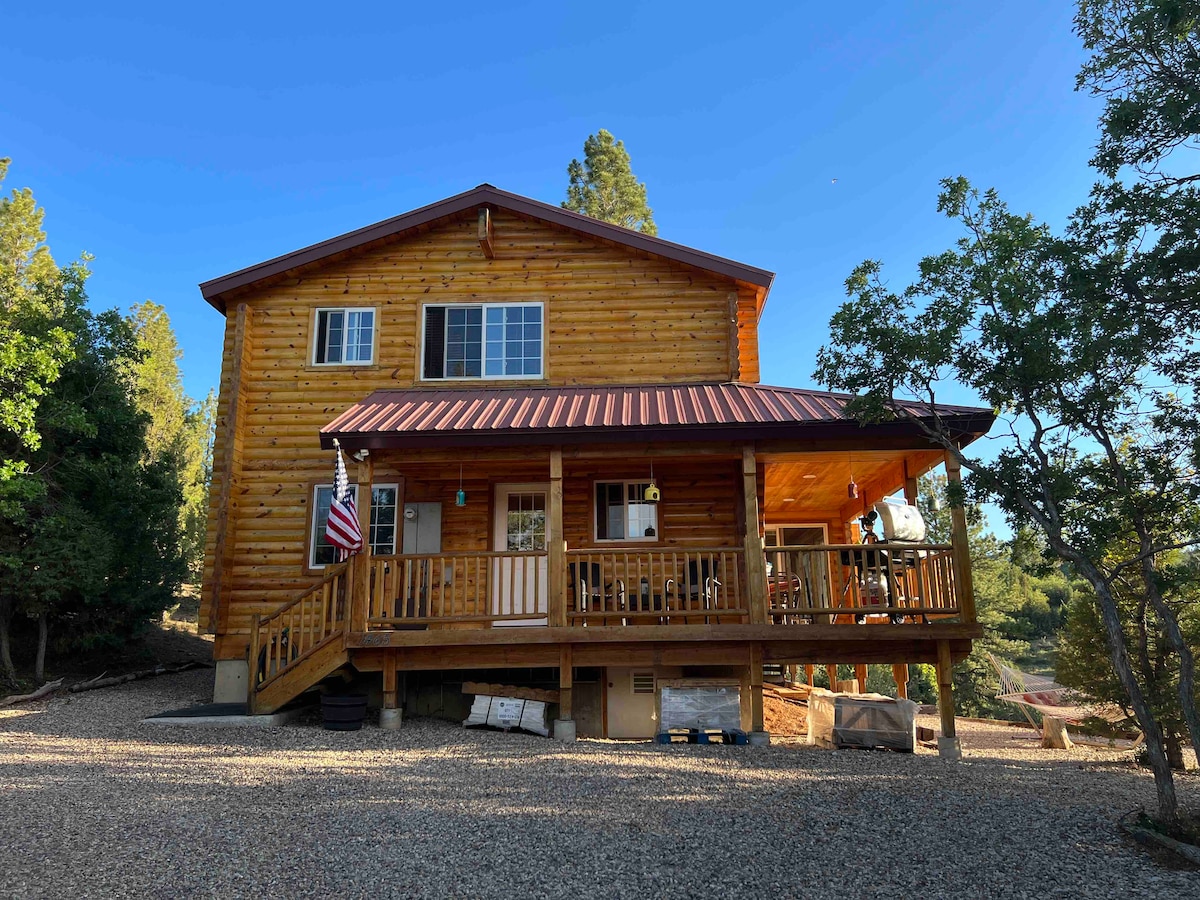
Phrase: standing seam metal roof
[491,410]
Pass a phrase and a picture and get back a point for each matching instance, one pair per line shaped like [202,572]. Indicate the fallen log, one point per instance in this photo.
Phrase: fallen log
[133,676]
[48,688]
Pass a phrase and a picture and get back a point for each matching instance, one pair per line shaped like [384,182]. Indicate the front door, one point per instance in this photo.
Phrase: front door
[519,584]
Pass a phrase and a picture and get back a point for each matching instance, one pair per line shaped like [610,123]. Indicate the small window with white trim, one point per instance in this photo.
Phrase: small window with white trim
[344,337]
[489,340]
[321,553]
[623,513]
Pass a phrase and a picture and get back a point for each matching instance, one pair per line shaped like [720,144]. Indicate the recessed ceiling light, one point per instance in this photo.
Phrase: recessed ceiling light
[810,476]
[789,499]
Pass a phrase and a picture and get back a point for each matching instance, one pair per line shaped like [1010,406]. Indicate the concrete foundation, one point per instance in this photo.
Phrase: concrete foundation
[389,719]
[564,730]
[759,738]
[274,720]
[231,683]
[949,748]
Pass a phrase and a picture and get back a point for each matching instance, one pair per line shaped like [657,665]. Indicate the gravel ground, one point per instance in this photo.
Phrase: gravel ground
[94,804]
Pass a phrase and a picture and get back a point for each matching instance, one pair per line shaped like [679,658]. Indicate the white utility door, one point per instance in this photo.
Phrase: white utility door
[519,586]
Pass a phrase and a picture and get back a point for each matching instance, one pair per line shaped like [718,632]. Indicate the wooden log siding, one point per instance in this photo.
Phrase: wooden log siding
[612,317]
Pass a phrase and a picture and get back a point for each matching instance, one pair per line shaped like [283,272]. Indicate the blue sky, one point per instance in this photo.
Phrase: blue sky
[180,142]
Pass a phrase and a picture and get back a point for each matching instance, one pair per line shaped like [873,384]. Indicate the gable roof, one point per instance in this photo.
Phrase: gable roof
[215,289]
[423,417]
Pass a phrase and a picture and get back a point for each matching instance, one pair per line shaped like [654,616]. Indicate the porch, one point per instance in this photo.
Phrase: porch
[562,605]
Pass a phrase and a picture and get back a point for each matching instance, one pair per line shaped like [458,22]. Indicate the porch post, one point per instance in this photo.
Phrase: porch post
[556,563]
[758,730]
[389,716]
[962,552]
[564,725]
[756,562]
[361,577]
[948,746]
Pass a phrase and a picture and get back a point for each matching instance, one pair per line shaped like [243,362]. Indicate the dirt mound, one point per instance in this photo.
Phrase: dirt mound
[783,718]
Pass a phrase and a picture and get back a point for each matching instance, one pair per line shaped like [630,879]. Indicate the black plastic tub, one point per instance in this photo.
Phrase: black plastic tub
[343,712]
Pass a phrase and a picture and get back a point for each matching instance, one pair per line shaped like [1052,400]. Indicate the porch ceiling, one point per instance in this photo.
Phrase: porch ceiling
[803,487]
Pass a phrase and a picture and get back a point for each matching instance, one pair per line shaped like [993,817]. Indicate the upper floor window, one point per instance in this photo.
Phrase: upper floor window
[382,535]
[489,340]
[344,337]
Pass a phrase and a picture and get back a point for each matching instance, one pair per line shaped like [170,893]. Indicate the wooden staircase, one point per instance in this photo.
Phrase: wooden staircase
[300,643]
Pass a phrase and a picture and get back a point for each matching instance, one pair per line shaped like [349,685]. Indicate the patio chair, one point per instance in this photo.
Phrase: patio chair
[698,591]
[591,593]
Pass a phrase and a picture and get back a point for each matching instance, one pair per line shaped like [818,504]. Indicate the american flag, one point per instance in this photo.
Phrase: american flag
[341,529]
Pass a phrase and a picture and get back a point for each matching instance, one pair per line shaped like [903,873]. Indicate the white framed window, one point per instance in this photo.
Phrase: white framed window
[622,513]
[486,340]
[382,536]
[344,337]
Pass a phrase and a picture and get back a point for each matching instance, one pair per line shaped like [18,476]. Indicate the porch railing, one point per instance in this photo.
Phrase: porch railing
[823,584]
[628,586]
[300,626]
[419,590]
[832,583]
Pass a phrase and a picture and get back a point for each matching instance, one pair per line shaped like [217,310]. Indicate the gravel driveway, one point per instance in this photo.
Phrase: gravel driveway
[94,804]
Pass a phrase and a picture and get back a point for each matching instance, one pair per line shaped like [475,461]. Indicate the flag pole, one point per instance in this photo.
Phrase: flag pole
[362,575]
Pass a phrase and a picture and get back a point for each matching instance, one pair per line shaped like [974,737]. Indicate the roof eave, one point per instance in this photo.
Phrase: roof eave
[964,428]
[215,289]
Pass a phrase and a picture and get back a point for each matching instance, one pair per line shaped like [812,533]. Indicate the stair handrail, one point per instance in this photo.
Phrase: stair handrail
[277,649]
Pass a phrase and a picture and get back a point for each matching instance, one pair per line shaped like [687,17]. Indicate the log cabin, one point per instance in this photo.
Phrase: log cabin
[566,471]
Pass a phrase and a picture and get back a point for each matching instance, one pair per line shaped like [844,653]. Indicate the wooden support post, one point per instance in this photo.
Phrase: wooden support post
[963,582]
[389,681]
[910,486]
[900,674]
[485,233]
[756,561]
[756,688]
[831,673]
[808,674]
[566,683]
[361,576]
[945,689]
[556,546]
[860,675]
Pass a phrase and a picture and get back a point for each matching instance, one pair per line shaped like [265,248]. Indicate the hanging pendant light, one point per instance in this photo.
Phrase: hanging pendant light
[460,499]
[652,493]
[852,487]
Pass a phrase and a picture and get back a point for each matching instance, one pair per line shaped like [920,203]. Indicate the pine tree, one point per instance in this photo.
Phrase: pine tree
[603,186]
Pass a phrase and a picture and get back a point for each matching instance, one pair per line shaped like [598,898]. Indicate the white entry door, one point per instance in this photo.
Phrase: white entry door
[519,585]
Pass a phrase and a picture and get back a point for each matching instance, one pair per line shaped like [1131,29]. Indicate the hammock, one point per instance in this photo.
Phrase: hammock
[1050,698]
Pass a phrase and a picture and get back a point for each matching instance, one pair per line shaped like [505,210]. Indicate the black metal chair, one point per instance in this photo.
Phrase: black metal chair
[591,593]
[698,589]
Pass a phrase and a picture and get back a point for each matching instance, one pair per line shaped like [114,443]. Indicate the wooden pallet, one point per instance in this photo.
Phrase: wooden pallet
[701,736]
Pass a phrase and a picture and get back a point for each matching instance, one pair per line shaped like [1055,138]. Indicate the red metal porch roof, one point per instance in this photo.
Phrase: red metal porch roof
[426,417]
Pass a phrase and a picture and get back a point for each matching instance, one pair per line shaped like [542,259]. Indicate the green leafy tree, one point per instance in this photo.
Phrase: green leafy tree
[1145,65]
[1085,343]
[1044,330]
[603,186]
[1084,664]
[88,521]
[180,430]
